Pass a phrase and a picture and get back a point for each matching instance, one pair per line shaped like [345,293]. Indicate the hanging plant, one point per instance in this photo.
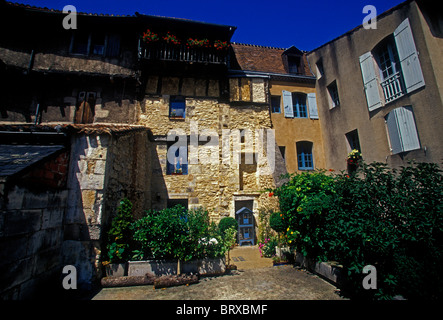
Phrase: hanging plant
[170,38]
[197,43]
[220,45]
[150,36]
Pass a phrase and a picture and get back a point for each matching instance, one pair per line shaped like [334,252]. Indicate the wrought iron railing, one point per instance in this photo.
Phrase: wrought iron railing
[393,87]
[181,52]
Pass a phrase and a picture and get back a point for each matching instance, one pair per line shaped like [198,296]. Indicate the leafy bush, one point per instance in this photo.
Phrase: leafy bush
[227,222]
[391,219]
[277,222]
[119,235]
[267,248]
[175,233]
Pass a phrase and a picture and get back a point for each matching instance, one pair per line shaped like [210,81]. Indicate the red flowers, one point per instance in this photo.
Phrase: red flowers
[271,194]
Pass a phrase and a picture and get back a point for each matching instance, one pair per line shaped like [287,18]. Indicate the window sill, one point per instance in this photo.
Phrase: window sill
[177,118]
[175,174]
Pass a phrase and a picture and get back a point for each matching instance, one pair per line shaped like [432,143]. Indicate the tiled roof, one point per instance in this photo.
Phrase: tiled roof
[263,59]
[15,158]
[96,128]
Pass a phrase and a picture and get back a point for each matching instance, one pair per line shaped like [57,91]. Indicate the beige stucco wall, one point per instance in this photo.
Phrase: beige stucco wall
[289,131]
[341,63]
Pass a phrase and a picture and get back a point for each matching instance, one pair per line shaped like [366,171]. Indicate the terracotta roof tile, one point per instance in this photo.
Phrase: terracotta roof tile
[264,59]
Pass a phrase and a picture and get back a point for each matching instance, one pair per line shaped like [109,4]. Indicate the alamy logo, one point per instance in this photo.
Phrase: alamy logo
[70,21]
[370,21]
[70,280]
[370,281]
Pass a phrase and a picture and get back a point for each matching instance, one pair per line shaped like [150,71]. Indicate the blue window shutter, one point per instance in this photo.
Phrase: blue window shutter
[407,128]
[287,103]
[394,132]
[370,82]
[408,56]
[312,104]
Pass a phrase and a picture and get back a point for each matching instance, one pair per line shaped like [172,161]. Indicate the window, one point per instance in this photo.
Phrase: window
[294,105]
[177,107]
[299,105]
[97,44]
[398,66]
[283,152]
[85,107]
[80,43]
[353,141]
[333,93]
[174,202]
[177,159]
[320,69]
[275,104]
[402,131]
[293,64]
[304,155]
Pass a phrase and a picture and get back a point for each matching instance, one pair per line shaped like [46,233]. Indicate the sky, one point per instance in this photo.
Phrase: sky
[277,23]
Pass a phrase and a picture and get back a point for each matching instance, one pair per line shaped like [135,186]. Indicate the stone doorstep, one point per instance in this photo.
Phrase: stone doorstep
[204,267]
[327,270]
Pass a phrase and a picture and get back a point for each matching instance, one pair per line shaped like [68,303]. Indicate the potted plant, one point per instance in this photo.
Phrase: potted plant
[353,160]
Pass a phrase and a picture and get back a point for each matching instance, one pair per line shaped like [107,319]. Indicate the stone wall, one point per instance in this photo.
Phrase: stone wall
[211,185]
[105,168]
[31,234]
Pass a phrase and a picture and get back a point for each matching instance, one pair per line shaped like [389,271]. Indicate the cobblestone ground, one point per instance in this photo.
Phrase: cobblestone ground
[255,279]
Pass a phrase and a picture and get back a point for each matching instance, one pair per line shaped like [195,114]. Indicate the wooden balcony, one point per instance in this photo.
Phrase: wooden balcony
[393,87]
[182,53]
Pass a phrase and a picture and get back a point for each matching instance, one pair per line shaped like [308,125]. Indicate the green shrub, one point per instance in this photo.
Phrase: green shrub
[227,222]
[277,222]
[391,219]
[119,235]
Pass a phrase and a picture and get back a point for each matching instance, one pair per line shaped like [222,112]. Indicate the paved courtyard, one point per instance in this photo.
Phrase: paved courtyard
[255,279]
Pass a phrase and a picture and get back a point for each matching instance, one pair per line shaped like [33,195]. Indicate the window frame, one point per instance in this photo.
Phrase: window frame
[173,100]
[171,169]
[305,149]
[273,105]
[298,106]
[333,94]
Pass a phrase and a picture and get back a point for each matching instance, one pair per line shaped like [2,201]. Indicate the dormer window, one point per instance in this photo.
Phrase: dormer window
[292,58]
[293,64]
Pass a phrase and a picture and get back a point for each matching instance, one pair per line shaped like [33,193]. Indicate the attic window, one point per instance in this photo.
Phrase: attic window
[293,64]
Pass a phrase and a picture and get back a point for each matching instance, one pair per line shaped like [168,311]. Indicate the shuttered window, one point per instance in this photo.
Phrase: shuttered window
[370,81]
[408,56]
[312,104]
[402,130]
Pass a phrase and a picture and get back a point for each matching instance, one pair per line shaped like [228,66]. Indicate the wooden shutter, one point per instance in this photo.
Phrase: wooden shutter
[394,133]
[402,130]
[312,104]
[113,46]
[287,103]
[407,128]
[370,81]
[408,56]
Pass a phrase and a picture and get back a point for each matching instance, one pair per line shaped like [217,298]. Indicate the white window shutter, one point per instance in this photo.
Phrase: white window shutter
[402,130]
[312,104]
[407,128]
[287,103]
[370,81]
[408,56]
[394,132]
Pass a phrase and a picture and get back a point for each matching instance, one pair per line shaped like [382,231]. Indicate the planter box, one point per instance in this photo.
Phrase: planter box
[116,270]
[327,270]
[203,267]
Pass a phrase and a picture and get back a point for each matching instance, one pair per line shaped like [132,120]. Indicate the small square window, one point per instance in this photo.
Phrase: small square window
[275,104]
[333,93]
[177,107]
[80,43]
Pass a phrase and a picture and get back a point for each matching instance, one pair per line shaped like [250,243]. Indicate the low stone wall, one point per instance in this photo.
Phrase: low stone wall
[31,235]
[202,267]
[328,270]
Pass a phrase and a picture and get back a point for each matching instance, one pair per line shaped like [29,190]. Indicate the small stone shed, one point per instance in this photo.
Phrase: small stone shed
[59,186]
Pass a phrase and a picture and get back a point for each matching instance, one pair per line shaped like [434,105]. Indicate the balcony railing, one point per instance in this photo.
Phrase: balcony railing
[393,87]
[171,52]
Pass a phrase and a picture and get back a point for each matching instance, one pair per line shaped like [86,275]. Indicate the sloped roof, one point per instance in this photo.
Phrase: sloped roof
[16,158]
[265,59]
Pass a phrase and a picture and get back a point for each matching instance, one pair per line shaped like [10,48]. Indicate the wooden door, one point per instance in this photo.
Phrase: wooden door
[85,109]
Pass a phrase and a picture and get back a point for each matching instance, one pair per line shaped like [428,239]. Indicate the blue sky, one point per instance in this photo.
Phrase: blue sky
[279,23]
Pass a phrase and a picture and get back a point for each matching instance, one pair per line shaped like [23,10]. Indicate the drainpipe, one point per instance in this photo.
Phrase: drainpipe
[31,61]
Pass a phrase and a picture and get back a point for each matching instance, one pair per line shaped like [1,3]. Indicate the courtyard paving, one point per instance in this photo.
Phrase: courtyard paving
[254,279]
